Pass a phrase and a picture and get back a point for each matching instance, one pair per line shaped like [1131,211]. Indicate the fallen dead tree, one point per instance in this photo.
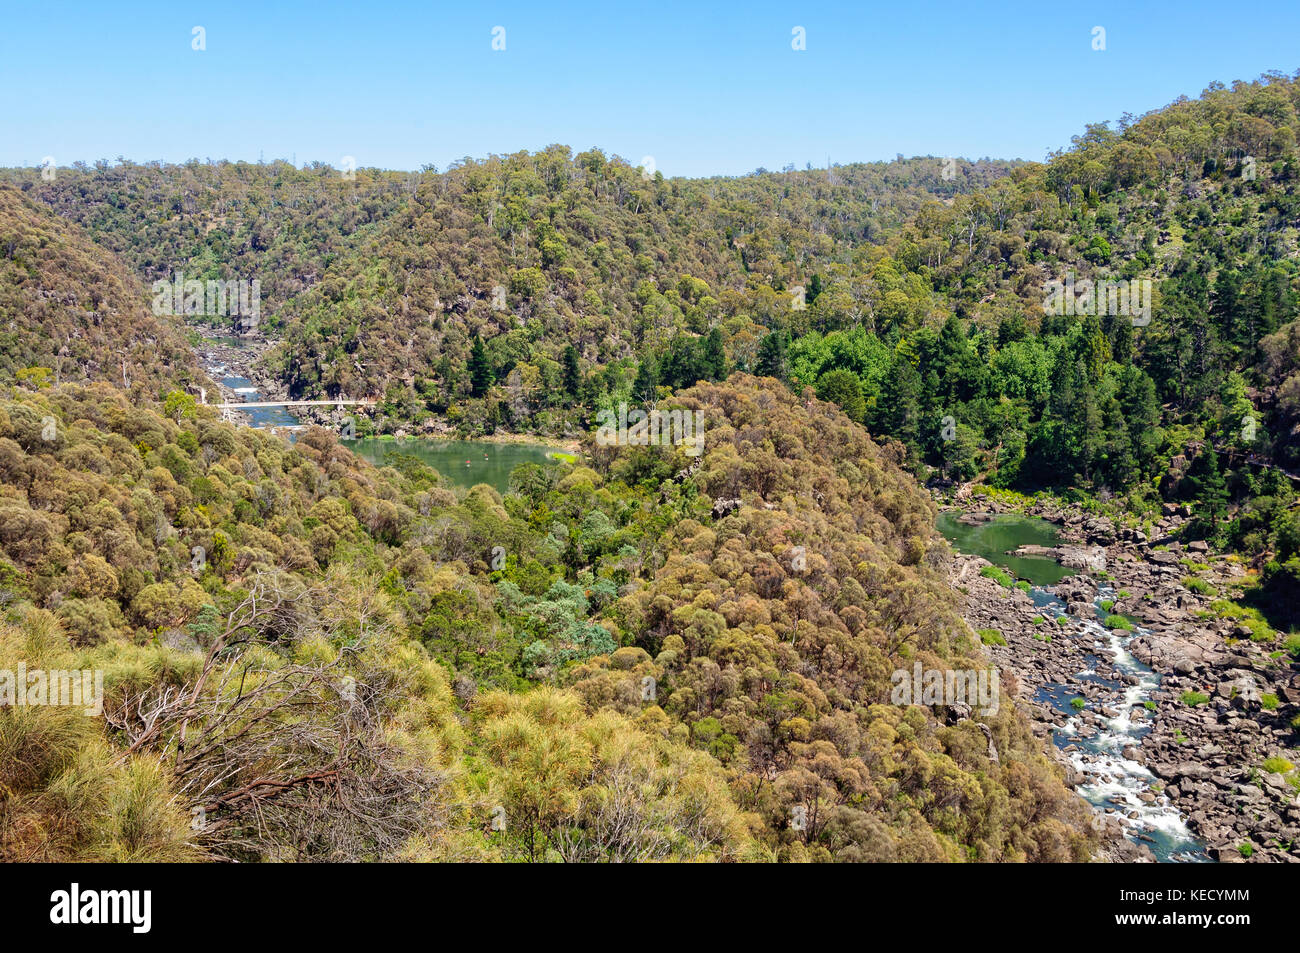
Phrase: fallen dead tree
[279,744]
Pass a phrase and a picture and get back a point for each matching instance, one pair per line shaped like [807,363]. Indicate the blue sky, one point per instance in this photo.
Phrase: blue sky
[705,89]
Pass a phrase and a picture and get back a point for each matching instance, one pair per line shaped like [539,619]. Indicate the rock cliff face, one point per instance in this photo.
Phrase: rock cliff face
[1223,705]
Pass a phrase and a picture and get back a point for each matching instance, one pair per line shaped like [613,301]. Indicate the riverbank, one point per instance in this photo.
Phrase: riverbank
[568,444]
[234,363]
[1197,701]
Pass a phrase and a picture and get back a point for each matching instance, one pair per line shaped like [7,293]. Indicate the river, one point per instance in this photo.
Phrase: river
[223,357]
[1113,782]
[993,539]
[463,463]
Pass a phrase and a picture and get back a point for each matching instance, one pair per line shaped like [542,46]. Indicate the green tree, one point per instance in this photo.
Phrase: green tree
[843,387]
[1205,485]
[480,368]
[899,410]
[647,379]
[179,405]
[572,373]
[771,360]
[713,357]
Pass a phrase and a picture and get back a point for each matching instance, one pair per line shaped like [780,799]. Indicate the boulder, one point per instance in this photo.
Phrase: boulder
[1092,559]
[722,507]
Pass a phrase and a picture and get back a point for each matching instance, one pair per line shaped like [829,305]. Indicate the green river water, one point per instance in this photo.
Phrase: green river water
[994,539]
[463,462]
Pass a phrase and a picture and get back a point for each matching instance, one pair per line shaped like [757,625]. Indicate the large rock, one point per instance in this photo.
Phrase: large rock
[1092,559]
[1245,692]
[1184,769]
[722,507]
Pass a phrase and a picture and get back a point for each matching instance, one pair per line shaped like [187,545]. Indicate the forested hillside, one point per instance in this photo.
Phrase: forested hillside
[527,291]
[70,311]
[383,280]
[636,654]
[287,632]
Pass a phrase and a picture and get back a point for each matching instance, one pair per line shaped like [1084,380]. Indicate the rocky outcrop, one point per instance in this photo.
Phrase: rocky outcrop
[1206,728]
[1091,558]
[721,507]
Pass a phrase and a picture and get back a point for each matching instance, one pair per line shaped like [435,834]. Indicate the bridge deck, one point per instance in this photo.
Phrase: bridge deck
[291,403]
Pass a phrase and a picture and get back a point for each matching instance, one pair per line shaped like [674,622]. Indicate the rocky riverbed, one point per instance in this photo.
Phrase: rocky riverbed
[230,357]
[1157,760]
[234,364]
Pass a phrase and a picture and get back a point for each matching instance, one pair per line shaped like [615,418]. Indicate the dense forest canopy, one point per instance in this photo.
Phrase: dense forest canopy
[73,312]
[285,628]
[473,689]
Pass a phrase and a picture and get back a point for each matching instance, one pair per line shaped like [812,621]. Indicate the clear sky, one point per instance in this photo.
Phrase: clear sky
[704,88]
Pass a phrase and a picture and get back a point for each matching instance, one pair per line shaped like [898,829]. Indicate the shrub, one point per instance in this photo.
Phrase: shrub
[1118,622]
[997,575]
[1194,698]
[992,637]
